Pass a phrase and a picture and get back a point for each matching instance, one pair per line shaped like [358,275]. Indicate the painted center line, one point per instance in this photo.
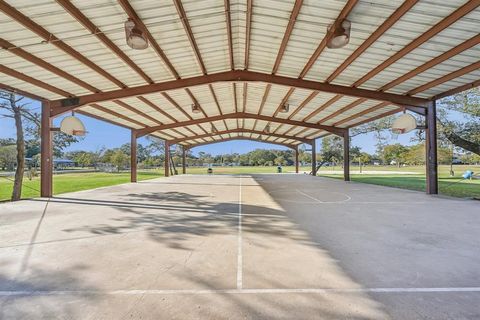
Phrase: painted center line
[239,239]
[238,291]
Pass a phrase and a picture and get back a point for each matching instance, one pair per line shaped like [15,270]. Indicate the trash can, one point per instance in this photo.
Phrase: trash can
[279,169]
[209,170]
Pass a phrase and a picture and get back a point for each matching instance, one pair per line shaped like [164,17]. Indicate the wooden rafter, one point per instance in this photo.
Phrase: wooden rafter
[303,104]
[135,110]
[228,20]
[189,32]
[240,130]
[116,114]
[455,74]
[189,146]
[52,39]
[90,26]
[13,73]
[45,65]
[432,63]
[382,115]
[156,108]
[456,90]
[361,113]
[240,75]
[322,107]
[287,34]
[342,110]
[241,115]
[387,24]
[248,33]
[134,16]
[449,20]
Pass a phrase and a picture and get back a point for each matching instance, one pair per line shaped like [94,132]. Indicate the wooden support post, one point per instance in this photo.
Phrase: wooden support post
[46,165]
[133,157]
[167,159]
[184,160]
[346,156]
[314,158]
[431,149]
[296,160]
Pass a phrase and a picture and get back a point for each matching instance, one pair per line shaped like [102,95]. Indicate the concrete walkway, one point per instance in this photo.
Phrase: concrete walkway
[240,247]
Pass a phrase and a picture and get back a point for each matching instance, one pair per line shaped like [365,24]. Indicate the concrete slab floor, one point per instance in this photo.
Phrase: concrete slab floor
[240,247]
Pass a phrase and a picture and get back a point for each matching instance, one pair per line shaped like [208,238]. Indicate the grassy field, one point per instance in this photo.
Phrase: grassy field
[452,186]
[70,182]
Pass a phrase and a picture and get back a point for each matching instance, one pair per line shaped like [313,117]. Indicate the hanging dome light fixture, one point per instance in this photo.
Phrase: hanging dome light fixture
[267,129]
[285,108]
[340,36]
[136,38]
[213,129]
[196,108]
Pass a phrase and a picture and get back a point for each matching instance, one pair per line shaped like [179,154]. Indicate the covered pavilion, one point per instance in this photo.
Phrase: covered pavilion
[239,69]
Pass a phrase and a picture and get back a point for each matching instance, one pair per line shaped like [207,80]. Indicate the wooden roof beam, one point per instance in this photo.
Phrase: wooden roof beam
[387,24]
[431,63]
[248,32]
[188,30]
[52,39]
[10,47]
[451,76]
[90,26]
[13,73]
[430,33]
[286,36]
[134,16]
[228,20]
[231,76]
[239,130]
[343,14]
[240,115]
[189,146]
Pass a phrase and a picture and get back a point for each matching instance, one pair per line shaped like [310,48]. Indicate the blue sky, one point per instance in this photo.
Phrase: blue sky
[101,134]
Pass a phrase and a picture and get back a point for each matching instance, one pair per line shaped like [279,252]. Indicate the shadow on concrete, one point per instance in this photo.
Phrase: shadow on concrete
[31,291]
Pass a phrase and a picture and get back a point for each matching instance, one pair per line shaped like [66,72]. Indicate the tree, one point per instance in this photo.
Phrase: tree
[394,153]
[8,157]
[464,132]
[119,159]
[16,110]
[332,149]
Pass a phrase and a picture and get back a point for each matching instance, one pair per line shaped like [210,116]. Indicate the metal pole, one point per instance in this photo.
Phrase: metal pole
[296,160]
[346,156]
[167,159]
[133,157]
[46,178]
[431,149]
[184,160]
[314,159]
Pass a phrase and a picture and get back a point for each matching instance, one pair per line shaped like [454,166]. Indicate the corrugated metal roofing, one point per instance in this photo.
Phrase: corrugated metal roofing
[103,70]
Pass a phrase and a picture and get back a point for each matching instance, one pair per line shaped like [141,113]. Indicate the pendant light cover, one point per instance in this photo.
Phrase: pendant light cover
[341,35]
[135,37]
[285,108]
[267,129]
[195,108]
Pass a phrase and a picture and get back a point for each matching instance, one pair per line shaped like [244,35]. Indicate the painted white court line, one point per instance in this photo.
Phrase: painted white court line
[237,291]
[308,196]
[239,238]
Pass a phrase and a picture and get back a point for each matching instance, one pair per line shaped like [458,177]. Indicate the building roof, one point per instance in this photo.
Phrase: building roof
[240,61]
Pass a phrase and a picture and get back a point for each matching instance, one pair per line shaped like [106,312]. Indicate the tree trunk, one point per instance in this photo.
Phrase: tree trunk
[463,143]
[17,185]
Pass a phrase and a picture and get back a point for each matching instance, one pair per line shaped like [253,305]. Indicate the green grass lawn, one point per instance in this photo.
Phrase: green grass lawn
[452,186]
[70,182]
